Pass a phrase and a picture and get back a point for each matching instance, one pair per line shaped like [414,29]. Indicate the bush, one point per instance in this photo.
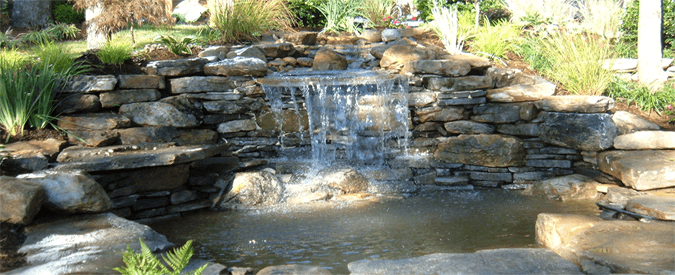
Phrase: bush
[629,27]
[339,15]
[147,264]
[377,11]
[494,10]
[37,37]
[307,13]
[246,19]
[65,13]
[642,96]
[114,53]
[495,41]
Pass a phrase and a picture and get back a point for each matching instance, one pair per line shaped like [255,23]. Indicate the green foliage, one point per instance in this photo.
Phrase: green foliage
[207,34]
[339,15]
[37,37]
[64,12]
[642,96]
[177,47]
[63,31]
[8,41]
[13,60]
[115,53]
[247,19]
[59,57]
[496,40]
[147,264]
[4,13]
[494,10]
[573,61]
[629,27]
[307,13]
[378,12]
[530,50]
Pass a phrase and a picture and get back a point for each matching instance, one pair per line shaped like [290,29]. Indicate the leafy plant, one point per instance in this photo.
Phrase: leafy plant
[63,31]
[8,41]
[496,40]
[530,50]
[64,12]
[339,15]
[13,59]
[37,37]
[307,13]
[177,47]
[378,12]
[446,26]
[575,62]
[115,53]
[642,96]
[147,264]
[246,19]
[59,57]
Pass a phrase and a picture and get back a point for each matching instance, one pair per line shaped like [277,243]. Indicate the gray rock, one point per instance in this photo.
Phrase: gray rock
[178,67]
[398,55]
[74,103]
[483,150]
[237,126]
[92,122]
[390,35]
[293,269]
[373,36]
[343,179]
[620,195]
[421,99]
[496,113]
[216,96]
[441,67]
[237,66]
[641,170]
[468,127]
[520,129]
[645,140]
[476,62]
[216,52]
[576,104]
[653,206]
[20,200]
[254,189]
[133,156]
[89,244]
[305,62]
[152,180]
[93,138]
[570,187]
[628,123]
[173,111]
[251,51]
[25,163]
[327,59]
[461,94]
[472,82]
[200,84]
[498,261]
[549,163]
[70,191]
[183,196]
[90,84]
[440,114]
[137,135]
[487,176]
[31,14]
[141,81]
[301,38]
[520,92]
[119,97]
[388,174]
[196,137]
[452,181]
[49,147]
[461,101]
[587,132]
[279,50]
[504,77]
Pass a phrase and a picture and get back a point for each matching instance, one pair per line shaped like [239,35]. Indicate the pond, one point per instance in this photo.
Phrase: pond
[331,235]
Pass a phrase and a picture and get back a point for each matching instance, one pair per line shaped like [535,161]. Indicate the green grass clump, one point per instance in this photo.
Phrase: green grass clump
[115,53]
[640,95]
[58,56]
[239,20]
[12,60]
[339,15]
[496,40]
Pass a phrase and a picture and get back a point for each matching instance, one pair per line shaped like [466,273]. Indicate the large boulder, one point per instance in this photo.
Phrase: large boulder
[482,150]
[396,56]
[20,200]
[498,261]
[201,84]
[654,206]
[327,59]
[254,189]
[71,191]
[178,111]
[439,67]
[586,132]
[570,187]
[31,14]
[343,179]
[279,50]
[642,169]
[301,38]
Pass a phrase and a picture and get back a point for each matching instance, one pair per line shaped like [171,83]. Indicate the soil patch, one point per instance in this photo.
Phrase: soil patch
[33,134]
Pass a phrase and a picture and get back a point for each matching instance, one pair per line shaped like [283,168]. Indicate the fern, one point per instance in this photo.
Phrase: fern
[145,263]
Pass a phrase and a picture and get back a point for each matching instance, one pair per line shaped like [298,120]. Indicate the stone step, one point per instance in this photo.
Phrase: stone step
[645,140]
[653,206]
[641,169]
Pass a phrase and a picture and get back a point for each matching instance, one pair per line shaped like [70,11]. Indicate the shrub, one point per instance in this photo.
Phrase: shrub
[642,96]
[307,13]
[377,11]
[494,10]
[177,47]
[629,27]
[120,13]
[65,13]
[245,19]
[115,53]
[8,41]
[558,12]
[495,41]
[575,62]
[147,264]
[63,31]
[339,15]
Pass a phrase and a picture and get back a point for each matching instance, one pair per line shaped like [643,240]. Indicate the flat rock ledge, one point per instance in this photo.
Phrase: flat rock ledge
[641,169]
[498,261]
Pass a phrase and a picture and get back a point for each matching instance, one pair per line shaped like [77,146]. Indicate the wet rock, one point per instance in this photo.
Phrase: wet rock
[93,138]
[520,92]
[134,156]
[587,132]
[439,67]
[293,269]
[95,121]
[576,104]
[146,179]
[251,51]
[175,111]
[78,103]
[279,50]
[498,261]
[237,126]
[49,148]
[288,120]
[302,38]
[254,189]
[139,135]
[641,170]
[645,140]
[141,81]
[90,244]
[398,55]
[468,127]
[388,174]
[327,59]
[570,187]
[90,84]
[342,178]
[421,99]
[483,150]
[390,35]
[658,207]
[117,98]
[237,66]
[373,36]
[178,67]
[628,123]
[496,113]
[70,191]
[20,200]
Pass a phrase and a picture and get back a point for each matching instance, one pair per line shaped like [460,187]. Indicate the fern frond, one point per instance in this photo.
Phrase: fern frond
[199,270]
[179,257]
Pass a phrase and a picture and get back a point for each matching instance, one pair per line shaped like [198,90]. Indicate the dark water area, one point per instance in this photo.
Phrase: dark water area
[331,235]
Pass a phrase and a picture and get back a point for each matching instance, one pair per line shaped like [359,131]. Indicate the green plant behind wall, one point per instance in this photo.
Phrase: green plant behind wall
[307,13]
[239,20]
[340,15]
[177,47]
[146,263]
[64,12]
[116,54]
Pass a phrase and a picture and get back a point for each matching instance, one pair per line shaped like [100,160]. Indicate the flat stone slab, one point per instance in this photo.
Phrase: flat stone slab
[586,132]
[498,261]
[134,156]
[645,140]
[90,84]
[641,170]
[653,206]
[521,92]
[628,123]
[178,67]
[576,104]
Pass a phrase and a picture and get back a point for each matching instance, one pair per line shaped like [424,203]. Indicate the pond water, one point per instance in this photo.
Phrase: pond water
[333,234]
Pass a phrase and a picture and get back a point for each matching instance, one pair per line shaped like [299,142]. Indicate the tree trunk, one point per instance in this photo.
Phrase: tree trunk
[95,36]
[650,71]
[477,6]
